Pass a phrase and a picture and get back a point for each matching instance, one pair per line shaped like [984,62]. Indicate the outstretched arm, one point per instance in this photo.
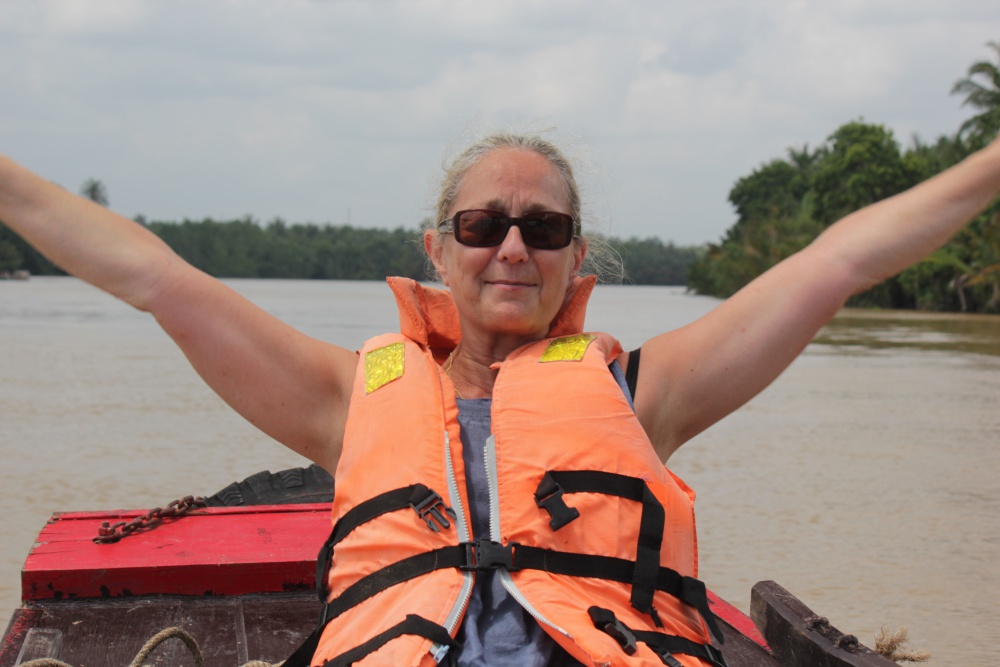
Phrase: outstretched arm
[293,387]
[694,376]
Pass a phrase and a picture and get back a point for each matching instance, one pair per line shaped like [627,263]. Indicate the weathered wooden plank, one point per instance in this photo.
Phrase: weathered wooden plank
[215,624]
[40,643]
[276,626]
[797,636]
[736,619]
[102,632]
[744,645]
[21,623]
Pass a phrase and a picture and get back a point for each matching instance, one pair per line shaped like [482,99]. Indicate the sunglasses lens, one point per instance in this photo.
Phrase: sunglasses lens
[481,228]
[544,231]
[547,231]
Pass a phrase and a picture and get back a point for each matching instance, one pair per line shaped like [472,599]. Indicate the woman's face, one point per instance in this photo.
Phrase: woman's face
[509,289]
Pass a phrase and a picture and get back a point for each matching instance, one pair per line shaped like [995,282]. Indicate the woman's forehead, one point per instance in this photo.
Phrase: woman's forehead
[512,177]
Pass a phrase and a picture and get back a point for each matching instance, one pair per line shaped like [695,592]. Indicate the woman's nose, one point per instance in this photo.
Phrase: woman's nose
[513,249]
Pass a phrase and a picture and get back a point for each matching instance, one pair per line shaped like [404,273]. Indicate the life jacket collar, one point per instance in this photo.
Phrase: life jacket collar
[428,315]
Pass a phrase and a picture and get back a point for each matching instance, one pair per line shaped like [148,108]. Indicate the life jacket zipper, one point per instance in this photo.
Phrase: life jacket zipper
[439,651]
[508,583]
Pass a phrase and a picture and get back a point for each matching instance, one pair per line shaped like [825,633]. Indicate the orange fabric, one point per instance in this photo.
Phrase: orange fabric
[573,416]
[561,415]
[429,317]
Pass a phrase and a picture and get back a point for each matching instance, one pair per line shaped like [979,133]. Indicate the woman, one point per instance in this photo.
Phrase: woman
[491,462]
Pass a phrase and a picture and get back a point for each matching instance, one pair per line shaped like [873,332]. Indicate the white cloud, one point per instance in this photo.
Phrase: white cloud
[73,17]
[303,109]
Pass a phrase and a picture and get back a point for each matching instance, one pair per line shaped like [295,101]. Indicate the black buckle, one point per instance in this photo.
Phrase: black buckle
[486,555]
[430,508]
[549,496]
[669,660]
[622,635]
[606,621]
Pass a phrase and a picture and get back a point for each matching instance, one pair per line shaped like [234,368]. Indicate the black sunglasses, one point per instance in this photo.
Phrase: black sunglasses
[480,228]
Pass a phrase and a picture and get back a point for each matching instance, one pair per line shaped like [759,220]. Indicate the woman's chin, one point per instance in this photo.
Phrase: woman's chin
[520,315]
[513,321]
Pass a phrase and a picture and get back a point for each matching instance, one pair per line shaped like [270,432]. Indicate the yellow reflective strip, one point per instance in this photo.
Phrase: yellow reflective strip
[382,366]
[568,348]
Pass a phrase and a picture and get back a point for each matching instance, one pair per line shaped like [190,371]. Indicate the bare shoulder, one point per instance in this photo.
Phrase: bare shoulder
[692,377]
[293,387]
[657,382]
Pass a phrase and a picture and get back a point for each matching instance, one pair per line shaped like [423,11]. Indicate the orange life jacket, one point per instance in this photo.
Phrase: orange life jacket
[591,533]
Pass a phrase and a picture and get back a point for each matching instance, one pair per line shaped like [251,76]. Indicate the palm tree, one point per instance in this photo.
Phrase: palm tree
[95,191]
[804,159]
[984,96]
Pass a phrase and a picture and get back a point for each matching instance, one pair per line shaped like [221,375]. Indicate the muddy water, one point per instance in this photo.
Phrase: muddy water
[865,480]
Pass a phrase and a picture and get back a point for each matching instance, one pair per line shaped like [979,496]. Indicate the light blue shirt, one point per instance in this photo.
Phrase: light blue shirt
[496,629]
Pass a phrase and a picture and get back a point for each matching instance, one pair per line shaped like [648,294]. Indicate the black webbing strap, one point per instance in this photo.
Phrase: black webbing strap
[662,644]
[425,502]
[413,625]
[486,555]
[391,575]
[304,653]
[647,557]
[688,590]
[400,571]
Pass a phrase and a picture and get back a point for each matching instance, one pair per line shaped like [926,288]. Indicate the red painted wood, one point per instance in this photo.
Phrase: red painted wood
[213,551]
[736,618]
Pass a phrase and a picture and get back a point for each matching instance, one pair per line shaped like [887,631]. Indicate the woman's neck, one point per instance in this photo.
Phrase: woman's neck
[472,365]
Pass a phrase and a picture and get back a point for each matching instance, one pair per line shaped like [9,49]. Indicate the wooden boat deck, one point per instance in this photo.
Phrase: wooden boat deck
[240,581]
[108,632]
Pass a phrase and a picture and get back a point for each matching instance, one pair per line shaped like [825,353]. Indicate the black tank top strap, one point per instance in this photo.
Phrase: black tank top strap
[632,371]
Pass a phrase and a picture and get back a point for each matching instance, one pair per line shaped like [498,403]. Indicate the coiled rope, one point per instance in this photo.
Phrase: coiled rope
[152,645]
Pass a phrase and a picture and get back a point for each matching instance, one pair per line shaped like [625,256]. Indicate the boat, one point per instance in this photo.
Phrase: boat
[19,274]
[233,577]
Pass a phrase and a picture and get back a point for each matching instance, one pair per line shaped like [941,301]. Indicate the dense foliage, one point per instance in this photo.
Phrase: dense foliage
[245,249]
[652,262]
[784,204]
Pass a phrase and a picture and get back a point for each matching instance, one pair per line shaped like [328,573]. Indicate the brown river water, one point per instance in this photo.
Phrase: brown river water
[866,479]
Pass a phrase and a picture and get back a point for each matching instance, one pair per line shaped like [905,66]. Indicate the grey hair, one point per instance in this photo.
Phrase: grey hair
[475,152]
[601,258]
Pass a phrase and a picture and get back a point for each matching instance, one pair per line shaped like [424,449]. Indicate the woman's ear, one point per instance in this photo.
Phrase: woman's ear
[579,252]
[434,246]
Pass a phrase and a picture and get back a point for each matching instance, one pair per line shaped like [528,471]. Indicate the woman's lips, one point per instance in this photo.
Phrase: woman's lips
[509,284]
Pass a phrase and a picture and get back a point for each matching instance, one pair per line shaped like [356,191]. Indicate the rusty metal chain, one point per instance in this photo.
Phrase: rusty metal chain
[109,533]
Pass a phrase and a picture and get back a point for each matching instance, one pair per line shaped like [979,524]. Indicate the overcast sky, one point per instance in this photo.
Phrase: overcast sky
[343,111]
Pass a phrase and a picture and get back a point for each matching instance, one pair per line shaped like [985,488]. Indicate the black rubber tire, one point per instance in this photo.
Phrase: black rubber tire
[286,487]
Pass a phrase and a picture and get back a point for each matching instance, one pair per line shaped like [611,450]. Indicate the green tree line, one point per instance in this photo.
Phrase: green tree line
[785,203]
[246,249]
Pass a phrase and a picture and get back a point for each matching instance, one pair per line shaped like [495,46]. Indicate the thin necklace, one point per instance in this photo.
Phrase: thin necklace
[447,371]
